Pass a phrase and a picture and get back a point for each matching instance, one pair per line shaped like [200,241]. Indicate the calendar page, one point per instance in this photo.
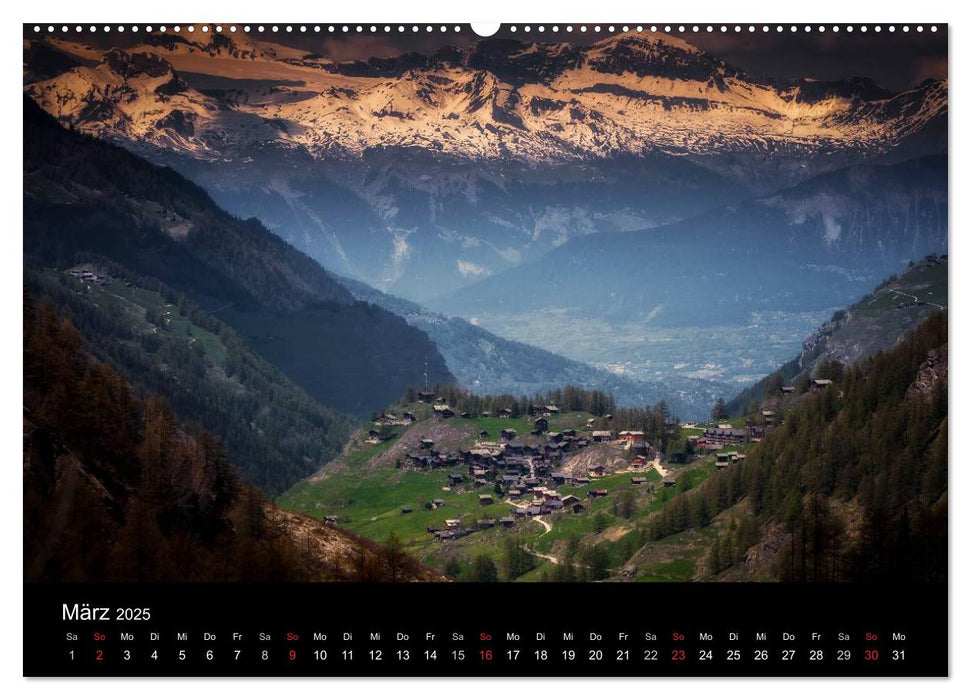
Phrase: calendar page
[605,349]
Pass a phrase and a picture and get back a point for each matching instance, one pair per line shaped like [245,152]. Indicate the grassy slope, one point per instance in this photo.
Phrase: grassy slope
[366,492]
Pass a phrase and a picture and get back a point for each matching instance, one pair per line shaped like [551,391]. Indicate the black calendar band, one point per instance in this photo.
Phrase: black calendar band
[427,630]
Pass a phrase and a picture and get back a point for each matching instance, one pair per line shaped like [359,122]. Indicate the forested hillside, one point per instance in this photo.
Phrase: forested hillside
[86,199]
[164,344]
[874,323]
[116,489]
[851,487]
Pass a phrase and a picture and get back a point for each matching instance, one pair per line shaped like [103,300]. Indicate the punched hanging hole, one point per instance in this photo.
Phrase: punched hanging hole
[485,29]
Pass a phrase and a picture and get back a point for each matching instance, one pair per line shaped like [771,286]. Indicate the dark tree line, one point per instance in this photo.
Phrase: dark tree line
[569,398]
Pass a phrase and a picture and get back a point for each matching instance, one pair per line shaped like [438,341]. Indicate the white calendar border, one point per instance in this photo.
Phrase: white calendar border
[454,11]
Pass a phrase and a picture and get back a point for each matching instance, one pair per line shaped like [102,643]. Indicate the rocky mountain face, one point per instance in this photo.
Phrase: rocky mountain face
[422,173]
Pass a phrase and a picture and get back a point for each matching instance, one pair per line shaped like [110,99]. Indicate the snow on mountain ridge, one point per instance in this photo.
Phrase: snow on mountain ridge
[498,99]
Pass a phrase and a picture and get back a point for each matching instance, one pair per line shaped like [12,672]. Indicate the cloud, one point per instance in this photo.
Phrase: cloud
[469,269]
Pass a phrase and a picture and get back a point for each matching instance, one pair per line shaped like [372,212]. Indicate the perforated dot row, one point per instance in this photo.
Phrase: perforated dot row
[414,28]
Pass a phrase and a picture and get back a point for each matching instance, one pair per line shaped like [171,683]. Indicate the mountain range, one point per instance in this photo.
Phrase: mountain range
[421,173]
[723,294]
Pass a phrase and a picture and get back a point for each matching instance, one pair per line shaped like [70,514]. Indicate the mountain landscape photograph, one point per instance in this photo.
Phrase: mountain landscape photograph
[620,305]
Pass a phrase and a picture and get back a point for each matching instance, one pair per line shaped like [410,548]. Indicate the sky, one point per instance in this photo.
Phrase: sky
[895,60]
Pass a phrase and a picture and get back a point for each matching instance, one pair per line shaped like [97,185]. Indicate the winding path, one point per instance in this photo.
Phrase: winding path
[657,466]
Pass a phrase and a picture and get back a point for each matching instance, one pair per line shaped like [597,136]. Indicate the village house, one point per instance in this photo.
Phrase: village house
[602,435]
[505,413]
[405,510]
[465,414]
[374,437]
[821,384]
[388,419]
[560,477]
[330,519]
[443,410]
[483,435]
[597,470]
[425,397]
[550,410]
[571,500]
[638,480]
[540,425]
[507,522]
[485,499]
[788,390]
[426,444]
[768,417]
[631,437]
[507,435]
[669,481]
[438,502]
[723,436]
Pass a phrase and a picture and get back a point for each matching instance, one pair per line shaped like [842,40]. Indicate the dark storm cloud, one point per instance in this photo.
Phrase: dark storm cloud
[897,60]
